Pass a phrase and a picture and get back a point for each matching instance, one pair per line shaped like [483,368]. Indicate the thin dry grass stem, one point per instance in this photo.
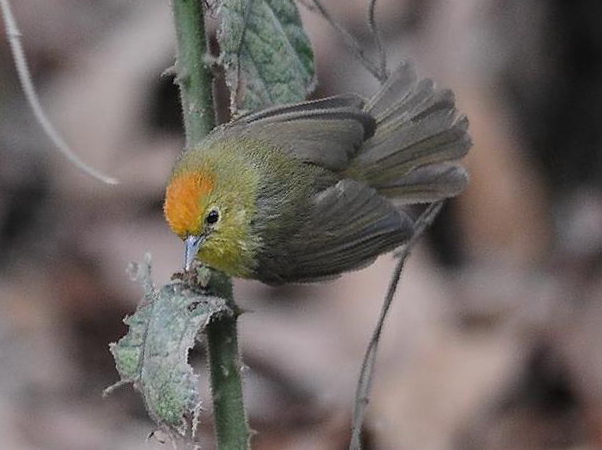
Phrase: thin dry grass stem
[376,35]
[14,40]
[362,395]
[356,48]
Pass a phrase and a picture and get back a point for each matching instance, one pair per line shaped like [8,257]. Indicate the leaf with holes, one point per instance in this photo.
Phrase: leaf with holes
[153,356]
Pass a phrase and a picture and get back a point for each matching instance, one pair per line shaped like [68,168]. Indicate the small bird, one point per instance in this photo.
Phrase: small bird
[306,191]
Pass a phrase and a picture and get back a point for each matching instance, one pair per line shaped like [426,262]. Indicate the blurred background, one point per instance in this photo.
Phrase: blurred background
[495,338]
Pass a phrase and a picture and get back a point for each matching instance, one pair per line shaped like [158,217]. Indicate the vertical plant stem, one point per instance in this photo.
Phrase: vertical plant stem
[225,365]
[193,72]
[226,387]
[195,80]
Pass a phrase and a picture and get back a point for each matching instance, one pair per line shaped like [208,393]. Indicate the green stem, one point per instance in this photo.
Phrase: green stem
[194,73]
[195,81]
[225,366]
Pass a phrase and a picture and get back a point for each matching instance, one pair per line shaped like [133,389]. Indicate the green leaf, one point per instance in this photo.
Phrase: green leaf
[153,356]
[265,52]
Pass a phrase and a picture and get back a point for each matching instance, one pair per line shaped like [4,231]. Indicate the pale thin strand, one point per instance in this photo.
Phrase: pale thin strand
[364,384]
[316,6]
[14,40]
[378,40]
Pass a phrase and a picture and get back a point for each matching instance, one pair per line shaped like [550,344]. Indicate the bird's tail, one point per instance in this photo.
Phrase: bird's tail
[419,135]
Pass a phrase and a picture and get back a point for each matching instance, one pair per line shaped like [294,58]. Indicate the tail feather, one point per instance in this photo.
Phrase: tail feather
[400,83]
[417,126]
[427,184]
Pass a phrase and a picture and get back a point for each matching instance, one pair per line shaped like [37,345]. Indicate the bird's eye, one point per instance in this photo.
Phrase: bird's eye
[212,217]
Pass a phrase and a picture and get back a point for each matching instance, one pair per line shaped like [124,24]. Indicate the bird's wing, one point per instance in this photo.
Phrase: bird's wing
[325,132]
[350,225]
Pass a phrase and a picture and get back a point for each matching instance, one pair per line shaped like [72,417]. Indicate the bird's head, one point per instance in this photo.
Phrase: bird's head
[212,215]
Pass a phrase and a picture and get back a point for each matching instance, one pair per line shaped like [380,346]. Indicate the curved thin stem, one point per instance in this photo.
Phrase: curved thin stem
[364,384]
[376,35]
[14,40]
[350,41]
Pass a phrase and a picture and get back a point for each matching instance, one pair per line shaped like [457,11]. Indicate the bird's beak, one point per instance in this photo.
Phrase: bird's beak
[193,243]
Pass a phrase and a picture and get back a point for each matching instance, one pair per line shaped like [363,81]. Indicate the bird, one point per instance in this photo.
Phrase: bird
[305,192]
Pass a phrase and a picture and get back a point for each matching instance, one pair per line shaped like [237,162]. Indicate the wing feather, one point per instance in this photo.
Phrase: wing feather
[350,225]
[327,133]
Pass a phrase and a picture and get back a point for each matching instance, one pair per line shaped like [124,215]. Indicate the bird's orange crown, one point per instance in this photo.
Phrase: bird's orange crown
[183,207]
